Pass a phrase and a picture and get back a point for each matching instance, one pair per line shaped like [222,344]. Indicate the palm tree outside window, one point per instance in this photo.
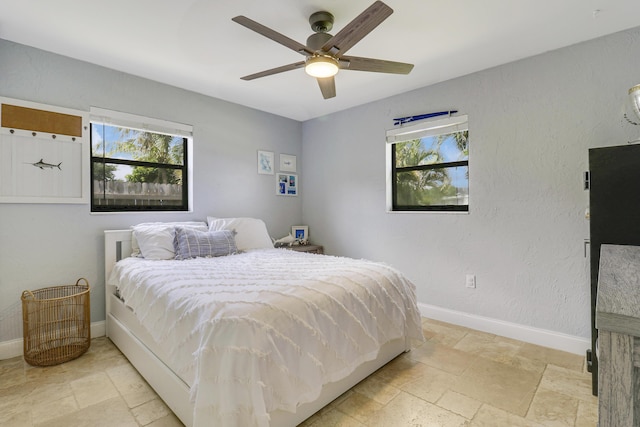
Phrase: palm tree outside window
[429,166]
[138,170]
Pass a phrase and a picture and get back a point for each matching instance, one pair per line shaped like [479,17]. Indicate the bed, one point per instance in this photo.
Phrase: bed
[255,336]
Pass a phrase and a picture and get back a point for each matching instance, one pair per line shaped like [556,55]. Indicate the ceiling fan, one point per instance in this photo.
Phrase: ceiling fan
[325,54]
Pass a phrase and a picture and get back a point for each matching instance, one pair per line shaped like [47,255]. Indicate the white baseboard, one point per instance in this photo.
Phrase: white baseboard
[543,337]
[98,329]
[14,348]
[9,349]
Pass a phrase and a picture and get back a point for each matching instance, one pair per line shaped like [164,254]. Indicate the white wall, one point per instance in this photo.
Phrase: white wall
[46,244]
[530,126]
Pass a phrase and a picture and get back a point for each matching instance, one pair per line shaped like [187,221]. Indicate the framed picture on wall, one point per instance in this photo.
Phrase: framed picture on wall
[287,163]
[265,162]
[300,232]
[286,184]
[44,153]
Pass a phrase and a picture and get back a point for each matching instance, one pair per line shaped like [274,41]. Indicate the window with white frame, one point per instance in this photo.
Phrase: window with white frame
[138,163]
[428,166]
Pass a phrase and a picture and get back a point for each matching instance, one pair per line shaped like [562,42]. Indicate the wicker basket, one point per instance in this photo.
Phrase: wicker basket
[56,323]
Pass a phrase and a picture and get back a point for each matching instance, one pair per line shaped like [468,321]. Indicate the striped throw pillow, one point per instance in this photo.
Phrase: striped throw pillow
[192,243]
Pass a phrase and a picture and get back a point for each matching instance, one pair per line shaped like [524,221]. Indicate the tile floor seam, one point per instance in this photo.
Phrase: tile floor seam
[478,411]
[462,394]
[536,390]
[73,393]
[575,417]
[130,410]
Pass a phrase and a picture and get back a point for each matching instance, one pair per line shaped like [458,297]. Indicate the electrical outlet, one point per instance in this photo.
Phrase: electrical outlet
[471,281]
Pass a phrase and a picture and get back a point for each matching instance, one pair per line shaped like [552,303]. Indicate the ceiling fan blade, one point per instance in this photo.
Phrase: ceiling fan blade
[327,86]
[276,70]
[357,63]
[355,30]
[273,35]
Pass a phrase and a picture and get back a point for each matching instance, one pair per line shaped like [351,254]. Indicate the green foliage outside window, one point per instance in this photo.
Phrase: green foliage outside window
[432,173]
[154,148]
[137,170]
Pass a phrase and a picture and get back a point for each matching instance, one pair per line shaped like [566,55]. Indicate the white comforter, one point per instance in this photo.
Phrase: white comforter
[264,330]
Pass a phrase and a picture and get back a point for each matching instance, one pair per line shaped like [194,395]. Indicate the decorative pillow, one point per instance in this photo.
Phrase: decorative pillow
[154,240]
[191,243]
[251,232]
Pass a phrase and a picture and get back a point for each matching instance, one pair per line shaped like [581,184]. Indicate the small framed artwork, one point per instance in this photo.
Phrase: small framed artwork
[265,162]
[287,163]
[300,232]
[286,184]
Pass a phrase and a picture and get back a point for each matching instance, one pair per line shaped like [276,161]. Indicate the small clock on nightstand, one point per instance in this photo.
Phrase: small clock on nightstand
[314,249]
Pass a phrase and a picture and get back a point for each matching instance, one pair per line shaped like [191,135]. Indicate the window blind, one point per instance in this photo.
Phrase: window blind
[132,121]
[427,128]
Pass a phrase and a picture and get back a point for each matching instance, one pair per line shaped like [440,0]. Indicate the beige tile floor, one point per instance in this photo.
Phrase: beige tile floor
[458,377]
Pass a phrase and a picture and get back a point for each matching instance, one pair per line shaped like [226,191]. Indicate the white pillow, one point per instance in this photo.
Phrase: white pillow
[154,240]
[251,233]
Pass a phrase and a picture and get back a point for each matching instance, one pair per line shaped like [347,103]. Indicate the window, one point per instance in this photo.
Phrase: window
[428,166]
[138,164]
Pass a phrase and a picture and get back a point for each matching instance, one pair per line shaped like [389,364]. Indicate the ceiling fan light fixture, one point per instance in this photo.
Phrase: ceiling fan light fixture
[321,66]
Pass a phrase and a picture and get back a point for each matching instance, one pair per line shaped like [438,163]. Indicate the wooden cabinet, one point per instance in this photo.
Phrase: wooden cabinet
[614,181]
[314,249]
[618,323]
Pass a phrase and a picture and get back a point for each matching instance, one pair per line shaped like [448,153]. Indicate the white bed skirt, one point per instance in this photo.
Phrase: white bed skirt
[128,335]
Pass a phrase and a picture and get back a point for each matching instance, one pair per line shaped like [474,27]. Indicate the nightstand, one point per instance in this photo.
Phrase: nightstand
[314,249]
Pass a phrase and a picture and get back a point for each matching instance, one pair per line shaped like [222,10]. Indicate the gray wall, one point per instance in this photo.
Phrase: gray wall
[531,123]
[530,126]
[47,244]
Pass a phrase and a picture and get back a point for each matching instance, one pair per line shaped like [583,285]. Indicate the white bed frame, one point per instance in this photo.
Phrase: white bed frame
[136,344]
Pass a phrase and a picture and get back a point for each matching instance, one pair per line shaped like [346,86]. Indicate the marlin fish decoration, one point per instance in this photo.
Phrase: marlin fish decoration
[42,165]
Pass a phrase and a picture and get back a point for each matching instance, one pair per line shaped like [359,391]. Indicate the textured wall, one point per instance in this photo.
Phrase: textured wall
[531,123]
[43,245]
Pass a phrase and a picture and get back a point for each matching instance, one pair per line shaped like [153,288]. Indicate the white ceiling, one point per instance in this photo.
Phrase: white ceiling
[193,44]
